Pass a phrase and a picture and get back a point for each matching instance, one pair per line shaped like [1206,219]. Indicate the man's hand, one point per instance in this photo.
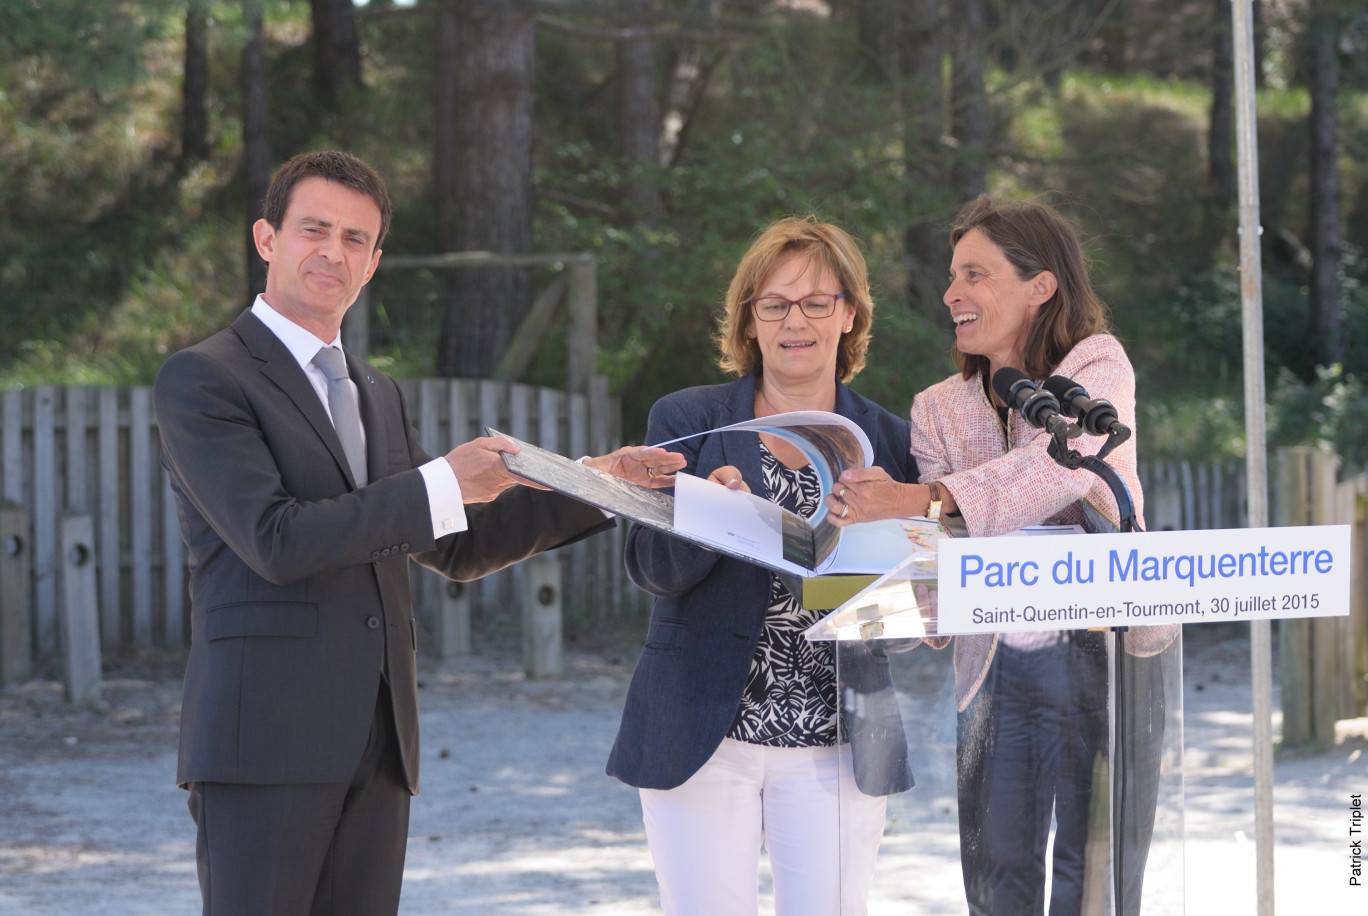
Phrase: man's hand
[647,467]
[480,470]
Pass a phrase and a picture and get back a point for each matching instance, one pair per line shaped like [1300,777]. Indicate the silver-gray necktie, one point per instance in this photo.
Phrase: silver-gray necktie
[342,405]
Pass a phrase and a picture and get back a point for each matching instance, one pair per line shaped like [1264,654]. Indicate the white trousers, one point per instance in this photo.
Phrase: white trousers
[822,833]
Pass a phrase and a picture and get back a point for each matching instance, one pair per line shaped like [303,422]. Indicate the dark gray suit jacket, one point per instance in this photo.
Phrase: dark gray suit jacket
[299,581]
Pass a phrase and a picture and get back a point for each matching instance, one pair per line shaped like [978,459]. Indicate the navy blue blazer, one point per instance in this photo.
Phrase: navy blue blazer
[709,608]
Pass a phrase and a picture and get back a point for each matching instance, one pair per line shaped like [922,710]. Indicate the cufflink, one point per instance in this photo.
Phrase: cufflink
[448,524]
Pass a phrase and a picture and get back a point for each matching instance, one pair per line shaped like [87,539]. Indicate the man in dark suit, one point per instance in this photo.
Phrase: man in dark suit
[299,730]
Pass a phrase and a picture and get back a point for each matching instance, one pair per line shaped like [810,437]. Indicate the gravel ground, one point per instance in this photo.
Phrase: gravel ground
[516,816]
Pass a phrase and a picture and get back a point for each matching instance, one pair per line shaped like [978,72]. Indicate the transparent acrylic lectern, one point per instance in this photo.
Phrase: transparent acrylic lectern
[1047,768]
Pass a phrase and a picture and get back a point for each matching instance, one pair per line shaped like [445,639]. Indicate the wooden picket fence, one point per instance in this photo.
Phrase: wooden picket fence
[96,452]
[1185,495]
[1323,662]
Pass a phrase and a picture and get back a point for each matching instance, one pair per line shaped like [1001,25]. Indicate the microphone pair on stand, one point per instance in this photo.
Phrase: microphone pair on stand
[1050,406]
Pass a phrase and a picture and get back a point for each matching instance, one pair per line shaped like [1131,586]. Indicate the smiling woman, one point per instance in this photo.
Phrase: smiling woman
[1033,719]
[730,723]
[991,304]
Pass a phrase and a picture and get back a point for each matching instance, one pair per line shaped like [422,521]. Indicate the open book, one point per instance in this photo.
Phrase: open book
[742,524]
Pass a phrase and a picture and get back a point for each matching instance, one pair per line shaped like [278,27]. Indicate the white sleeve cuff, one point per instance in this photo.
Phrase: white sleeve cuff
[444,498]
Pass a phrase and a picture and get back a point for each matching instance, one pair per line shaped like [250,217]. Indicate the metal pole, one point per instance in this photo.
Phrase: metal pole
[1256,452]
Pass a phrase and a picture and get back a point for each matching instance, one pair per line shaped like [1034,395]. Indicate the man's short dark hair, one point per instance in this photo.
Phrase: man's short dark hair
[331,165]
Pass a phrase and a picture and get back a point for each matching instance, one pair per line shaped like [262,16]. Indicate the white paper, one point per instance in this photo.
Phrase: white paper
[734,520]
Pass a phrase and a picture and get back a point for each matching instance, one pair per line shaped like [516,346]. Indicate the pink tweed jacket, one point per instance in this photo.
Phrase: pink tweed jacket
[1002,479]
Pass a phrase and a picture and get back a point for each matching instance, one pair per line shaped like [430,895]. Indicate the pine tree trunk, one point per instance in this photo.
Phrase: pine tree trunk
[880,34]
[1220,156]
[969,100]
[1325,234]
[337,49]
[195,86]
[923,94]
[639,116]
[483,174]
[256,156]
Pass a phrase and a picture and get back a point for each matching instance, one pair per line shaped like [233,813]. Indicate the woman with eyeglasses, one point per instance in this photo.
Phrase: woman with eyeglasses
[730,724]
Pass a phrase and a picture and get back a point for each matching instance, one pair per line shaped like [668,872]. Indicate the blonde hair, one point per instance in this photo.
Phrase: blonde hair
[825,245]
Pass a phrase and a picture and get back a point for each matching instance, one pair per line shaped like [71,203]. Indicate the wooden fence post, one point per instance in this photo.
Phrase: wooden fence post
[582,304]
[79,614]
[450,620]
[16,634]
[1351,499]
[44,518]
[141,469]
[1314,660]
[543,655]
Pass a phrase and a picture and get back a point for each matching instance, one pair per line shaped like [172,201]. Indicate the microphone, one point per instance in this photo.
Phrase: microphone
[1096,415]
[1038,406]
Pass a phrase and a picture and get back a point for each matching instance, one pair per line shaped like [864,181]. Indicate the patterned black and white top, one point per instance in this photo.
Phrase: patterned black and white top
[790,694]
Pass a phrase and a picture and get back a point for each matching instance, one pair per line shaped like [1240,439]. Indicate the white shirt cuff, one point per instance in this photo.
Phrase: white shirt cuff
[444,498]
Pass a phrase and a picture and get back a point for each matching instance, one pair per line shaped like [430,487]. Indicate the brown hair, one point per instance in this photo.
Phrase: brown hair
[1035,238]
[826,245]
[332,165]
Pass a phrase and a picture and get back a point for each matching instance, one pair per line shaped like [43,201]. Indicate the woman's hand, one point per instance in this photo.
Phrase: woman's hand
[869,494]
[730,478]
[648,467]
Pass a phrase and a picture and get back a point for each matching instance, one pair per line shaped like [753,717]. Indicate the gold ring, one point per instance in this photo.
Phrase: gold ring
[845,510]
[650,471]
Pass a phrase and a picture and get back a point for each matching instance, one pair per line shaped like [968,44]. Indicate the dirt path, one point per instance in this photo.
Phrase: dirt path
[516,816]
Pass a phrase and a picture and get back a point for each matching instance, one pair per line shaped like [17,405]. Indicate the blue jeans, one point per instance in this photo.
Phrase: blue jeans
[1033,744]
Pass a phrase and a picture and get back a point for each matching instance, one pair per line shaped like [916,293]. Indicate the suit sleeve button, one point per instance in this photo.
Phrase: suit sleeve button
[375,554]
[372,623]
[404,548]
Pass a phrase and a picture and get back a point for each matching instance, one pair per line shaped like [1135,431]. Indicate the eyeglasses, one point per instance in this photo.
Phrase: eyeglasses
[776,308]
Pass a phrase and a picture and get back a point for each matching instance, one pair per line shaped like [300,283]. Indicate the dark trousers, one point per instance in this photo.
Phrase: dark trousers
[1032,744]
[326,849]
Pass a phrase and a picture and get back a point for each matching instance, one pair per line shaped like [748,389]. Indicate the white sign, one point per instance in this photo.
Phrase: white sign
[1072,581]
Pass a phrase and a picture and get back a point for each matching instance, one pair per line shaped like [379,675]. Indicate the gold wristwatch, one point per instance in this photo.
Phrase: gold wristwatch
[933,509]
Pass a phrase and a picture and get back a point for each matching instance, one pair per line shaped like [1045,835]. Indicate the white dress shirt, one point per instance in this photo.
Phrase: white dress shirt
[443,489]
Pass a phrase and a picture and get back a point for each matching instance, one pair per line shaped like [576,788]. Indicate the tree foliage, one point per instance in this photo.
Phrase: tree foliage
[115,250]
